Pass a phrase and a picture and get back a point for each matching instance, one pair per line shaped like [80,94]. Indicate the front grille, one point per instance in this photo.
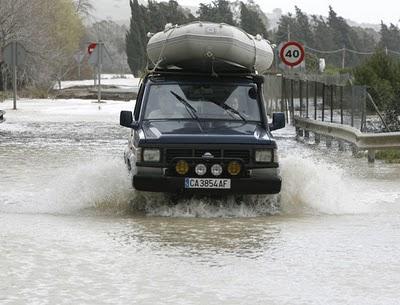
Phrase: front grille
[238,154]
[178,153]
[198,153]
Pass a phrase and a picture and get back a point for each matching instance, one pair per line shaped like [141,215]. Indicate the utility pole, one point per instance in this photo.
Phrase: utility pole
[288,32]
[344,57]
[14,72]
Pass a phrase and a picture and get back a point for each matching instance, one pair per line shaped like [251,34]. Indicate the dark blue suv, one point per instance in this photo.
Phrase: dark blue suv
[196,133]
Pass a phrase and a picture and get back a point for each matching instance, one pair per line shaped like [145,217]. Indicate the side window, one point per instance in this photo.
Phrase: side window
[139,101]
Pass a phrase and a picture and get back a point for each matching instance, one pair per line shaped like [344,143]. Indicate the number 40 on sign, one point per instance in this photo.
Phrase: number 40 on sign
[292,53]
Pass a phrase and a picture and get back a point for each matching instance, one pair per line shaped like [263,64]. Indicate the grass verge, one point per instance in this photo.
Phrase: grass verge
[390,156]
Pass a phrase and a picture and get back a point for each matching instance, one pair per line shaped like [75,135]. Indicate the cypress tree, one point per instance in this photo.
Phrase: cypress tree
[136,39]
[303,28]
[390,37]
[218,11]
[251,22]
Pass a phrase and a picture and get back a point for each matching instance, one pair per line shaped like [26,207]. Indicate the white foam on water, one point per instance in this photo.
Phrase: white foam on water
[227,207]
[315,186]
[310,185]
[102,183]
[104,186]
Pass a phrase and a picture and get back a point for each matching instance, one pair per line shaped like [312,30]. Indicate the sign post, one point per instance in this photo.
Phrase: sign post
[292,54]
[99,68]
[98,56]
[91,47]
[14,56]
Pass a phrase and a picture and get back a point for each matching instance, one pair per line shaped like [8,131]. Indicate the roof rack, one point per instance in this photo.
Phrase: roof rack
[198,73]
[213,67]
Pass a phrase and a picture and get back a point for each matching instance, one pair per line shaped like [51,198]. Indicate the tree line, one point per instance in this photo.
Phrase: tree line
[325,35]
[319,33]
[153,18]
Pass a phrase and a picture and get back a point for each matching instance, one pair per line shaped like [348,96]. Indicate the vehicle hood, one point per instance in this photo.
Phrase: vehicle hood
[204,132]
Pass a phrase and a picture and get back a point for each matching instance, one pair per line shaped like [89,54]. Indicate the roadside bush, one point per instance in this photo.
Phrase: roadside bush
[381,73]
[34,92]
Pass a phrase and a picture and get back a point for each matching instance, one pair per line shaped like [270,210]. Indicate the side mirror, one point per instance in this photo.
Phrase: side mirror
[253,93]
[126,120]
[278,121]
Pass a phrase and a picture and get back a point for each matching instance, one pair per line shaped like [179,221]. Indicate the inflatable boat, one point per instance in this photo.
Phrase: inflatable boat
[200,46]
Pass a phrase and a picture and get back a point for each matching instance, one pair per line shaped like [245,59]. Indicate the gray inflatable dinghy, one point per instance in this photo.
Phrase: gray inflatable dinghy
[206,45]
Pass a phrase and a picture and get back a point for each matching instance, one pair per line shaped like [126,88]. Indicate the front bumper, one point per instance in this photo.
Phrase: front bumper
[265,184]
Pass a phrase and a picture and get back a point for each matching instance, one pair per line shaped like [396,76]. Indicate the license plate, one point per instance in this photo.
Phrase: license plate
[204,183]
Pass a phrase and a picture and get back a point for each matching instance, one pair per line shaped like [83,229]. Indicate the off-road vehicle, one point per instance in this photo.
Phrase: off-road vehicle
[192,132]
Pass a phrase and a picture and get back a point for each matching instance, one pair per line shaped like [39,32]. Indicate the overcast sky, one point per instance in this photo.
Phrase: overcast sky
[361,11]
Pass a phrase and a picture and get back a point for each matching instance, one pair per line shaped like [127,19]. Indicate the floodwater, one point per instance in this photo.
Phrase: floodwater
[72,231]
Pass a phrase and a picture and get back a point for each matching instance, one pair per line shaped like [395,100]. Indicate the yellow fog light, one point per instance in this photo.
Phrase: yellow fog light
[234,168]
[182,167]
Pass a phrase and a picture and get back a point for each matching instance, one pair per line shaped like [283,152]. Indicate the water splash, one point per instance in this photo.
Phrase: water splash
[312,186]
[103,186]
[205,207]
[70,189]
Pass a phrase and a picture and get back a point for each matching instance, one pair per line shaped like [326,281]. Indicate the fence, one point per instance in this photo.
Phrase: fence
[327,100]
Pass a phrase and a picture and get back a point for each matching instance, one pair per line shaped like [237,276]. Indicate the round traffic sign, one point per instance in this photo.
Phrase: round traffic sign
[292,53]
[91,48]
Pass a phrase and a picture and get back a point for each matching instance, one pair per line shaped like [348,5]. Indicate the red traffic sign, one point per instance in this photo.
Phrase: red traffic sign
[292,53]
[91,48]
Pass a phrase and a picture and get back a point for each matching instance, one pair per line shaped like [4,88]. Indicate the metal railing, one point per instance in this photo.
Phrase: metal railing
[326,99]
[361,141]
[333,110]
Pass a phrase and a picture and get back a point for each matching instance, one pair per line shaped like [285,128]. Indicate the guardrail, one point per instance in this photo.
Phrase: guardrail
[2,113]
[360,141]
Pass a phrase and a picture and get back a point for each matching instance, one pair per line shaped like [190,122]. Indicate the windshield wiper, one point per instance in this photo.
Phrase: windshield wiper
[189,108]
[229,108]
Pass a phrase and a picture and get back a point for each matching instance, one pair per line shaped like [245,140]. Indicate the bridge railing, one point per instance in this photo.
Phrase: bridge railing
[370,142]
[334,110]
[329,101]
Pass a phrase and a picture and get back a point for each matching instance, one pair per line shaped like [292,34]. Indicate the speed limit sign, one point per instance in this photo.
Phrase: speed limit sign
[292,53]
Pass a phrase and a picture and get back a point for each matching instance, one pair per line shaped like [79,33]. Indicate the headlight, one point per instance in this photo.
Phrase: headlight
[216,170]
[200,169]
[151,155]
[264,155]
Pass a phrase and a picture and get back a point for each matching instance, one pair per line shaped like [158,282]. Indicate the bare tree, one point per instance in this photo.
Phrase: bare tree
[49,30]
[83,7]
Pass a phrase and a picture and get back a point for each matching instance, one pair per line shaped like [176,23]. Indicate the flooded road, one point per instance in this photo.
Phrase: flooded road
[72,231]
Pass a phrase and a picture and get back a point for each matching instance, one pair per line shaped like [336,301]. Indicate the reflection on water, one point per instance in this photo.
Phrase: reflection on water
[202,238]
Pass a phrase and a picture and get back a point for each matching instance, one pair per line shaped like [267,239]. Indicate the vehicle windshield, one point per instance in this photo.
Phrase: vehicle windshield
[236,102]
